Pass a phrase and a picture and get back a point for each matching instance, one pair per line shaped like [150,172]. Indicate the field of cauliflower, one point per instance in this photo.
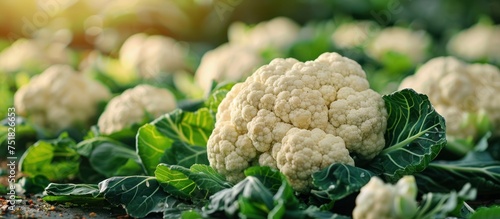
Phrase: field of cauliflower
[250,109]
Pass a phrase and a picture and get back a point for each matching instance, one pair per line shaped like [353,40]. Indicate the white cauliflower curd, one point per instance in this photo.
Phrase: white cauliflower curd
[152,55]
[135,105]
[378,200]
[413,44]
[480,42]
[298,117]
[354,34]
[458,90]
[60,98]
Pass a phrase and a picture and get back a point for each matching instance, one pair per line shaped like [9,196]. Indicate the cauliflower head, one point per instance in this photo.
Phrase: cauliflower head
[152,55]
[60,98]
[458,90]
[412,44]
[354,34]
[228,62]
[378,200]
[135,105]
[479,42]
[278,33]
[298,117]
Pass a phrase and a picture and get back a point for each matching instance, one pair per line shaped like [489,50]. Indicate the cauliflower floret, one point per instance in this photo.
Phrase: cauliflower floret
[354,34]
[277,33]
[230,62]
[412,44]
[377,200]
[135,105]
[152,55]
[458,90]
[477,43]
[266,119]
[60,98]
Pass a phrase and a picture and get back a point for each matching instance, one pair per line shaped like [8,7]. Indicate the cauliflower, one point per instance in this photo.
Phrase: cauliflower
[278,33]
[60,98]
[353,34]
[377,200]
[412,44]
[227,62]
[298,117]
[477,43]
[459,90]
[152,55]
[135,105]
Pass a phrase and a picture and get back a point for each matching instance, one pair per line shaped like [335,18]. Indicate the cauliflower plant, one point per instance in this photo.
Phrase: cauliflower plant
[413,44]
[354,34]
[479,42]
[298,117]
[60,98]
[135,105]
[278,33]
[151,55]
[377,200]
[227,62]
[459,90]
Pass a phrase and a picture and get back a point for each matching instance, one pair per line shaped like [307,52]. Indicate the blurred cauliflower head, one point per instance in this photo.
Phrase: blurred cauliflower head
[480,42]
[298,117]
[277,33]
[60,98]
[354,34]
[385,201]
[152,55]
[135,106]
[412,44]
[228,62]
[458,91]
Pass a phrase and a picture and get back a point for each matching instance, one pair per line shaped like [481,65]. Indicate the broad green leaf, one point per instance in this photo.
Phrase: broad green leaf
[486,213]
[415,135]
[109,157]
[339,180]
[33,185]
[206,178]
[138,195]
[271,178]
[55,159]
[174,180]
[477,168]
[182,154]
[153,139]
[72,189]
[217,95]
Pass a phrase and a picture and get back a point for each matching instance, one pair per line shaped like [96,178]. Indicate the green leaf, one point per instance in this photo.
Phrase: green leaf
[477,168]
[153,139]
[441,205]
[55,159]
[217,95]
[206,178]
[339,180]
[271,178]
[72,189]
[138,195]
[185,155]
[174,180]
[33,185]
[486,213]
[415,135]
[109,157]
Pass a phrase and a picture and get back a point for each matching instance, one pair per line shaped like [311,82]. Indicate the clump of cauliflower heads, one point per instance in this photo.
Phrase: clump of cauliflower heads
[378,200]
[135,106]
[460,92]
[60,98]
[298,117]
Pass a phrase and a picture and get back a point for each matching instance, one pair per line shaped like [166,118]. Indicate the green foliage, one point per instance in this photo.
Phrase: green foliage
[415,135]
[339,180]
[56,159]
[477,168]
[486,213]
[174,180]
